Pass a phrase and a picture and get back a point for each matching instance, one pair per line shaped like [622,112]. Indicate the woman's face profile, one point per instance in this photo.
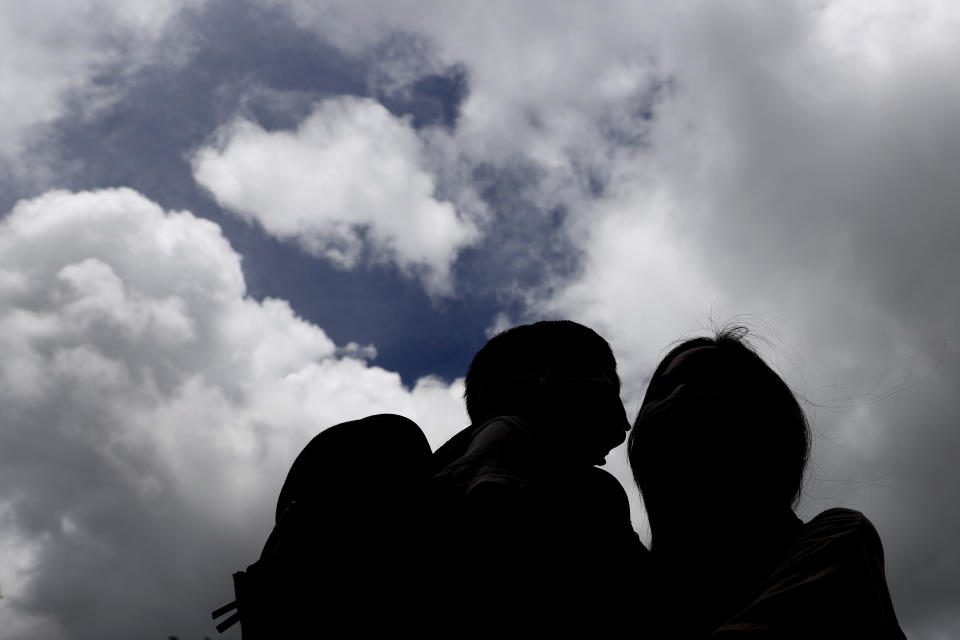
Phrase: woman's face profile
[685,426]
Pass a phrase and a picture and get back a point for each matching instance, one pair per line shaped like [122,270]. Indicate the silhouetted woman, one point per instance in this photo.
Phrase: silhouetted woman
[719,450]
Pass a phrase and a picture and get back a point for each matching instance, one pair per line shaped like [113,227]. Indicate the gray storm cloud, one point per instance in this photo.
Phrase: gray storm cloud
[810,184]
[794,164]
[39,79]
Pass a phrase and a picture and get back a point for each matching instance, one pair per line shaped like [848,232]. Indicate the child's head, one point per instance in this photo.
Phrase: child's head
[557,373]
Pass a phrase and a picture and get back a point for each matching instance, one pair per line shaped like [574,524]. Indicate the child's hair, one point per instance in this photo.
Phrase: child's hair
[506,374]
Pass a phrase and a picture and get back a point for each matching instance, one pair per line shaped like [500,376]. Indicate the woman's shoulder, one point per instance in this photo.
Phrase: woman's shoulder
[830,583]
[839,520]
[838,531]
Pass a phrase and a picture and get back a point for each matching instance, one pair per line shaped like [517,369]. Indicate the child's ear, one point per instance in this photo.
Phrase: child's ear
[547,387]
[551,395]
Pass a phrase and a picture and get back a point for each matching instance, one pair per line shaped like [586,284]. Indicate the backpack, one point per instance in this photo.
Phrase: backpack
[349,543]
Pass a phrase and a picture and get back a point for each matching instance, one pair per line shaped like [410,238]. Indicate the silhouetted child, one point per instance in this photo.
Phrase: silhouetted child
[534,536]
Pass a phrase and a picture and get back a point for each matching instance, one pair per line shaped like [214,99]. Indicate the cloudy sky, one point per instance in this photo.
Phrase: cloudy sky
[229,224]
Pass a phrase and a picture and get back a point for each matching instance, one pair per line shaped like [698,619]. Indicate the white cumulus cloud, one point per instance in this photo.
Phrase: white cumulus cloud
[149,413]
[349,178]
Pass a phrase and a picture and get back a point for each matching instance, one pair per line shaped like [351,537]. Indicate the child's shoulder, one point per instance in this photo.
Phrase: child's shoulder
[497,451]
[499,430]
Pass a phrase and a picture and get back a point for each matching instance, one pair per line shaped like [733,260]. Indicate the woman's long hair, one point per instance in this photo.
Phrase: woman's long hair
[735,428]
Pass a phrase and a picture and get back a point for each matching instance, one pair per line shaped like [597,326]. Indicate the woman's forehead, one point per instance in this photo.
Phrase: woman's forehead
[696,358]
